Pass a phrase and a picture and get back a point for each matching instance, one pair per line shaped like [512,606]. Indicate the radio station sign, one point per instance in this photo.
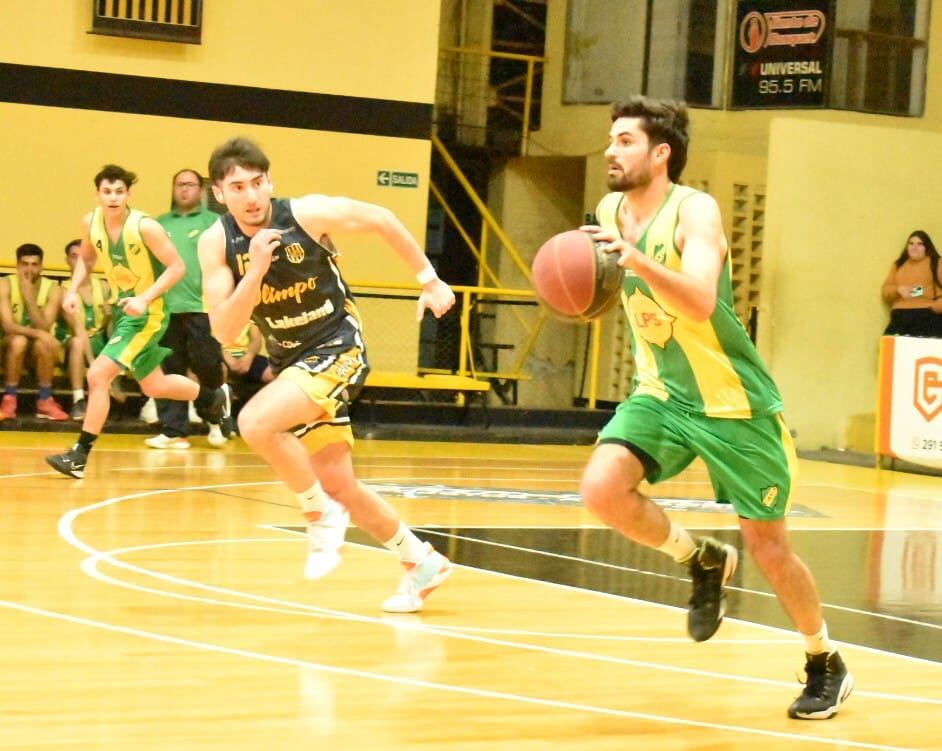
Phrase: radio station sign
[782,53]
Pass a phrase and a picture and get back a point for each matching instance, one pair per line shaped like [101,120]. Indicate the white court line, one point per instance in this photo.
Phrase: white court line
[842,608]
[29,474]
[400,467]
[483,693]
[672,577]
[90,567]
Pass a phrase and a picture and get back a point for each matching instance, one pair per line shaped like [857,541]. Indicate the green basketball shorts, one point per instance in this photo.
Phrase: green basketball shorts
[135,342]
[752,462]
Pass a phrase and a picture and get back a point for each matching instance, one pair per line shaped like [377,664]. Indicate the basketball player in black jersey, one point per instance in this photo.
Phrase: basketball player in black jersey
[272,261]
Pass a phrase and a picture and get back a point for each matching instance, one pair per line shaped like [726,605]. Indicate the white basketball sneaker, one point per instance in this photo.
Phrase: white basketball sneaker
[418,582]
[216,438]
[324,539]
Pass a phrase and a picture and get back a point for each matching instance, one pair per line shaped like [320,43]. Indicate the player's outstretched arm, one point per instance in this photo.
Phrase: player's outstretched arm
[321,215]
[160,244]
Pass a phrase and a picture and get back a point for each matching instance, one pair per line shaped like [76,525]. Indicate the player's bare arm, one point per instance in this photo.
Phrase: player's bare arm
[320,215]
[10,325]
[703,248]
[229,305]
[50,311]
[29,292]
[160,244]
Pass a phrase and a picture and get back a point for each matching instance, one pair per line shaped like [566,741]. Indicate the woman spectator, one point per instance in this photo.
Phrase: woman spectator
[914,291]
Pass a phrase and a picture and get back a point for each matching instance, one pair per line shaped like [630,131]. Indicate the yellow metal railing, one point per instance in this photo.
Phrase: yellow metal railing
[488,218]
[468,296]
[496,95]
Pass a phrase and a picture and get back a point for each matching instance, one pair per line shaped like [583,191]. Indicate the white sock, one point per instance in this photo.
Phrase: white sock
[78,395]
[406,545]
[313,500]
[819,643]
[679,544]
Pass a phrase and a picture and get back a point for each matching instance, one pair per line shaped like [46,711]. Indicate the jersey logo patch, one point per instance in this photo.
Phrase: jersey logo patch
[649,320]
[294,252]
[123,278]
[769,495]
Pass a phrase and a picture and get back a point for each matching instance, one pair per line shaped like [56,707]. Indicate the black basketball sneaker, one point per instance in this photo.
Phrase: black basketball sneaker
[828,685]
[71,463]
[712,565]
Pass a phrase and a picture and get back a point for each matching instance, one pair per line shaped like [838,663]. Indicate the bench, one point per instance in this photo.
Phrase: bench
[465,385]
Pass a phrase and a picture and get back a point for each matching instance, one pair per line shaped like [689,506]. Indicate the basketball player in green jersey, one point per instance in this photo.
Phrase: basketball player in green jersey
[141,264]
[272,261]
[29,303]
[700,390]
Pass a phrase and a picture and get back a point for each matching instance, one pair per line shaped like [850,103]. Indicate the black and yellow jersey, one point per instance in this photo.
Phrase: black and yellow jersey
[304,303]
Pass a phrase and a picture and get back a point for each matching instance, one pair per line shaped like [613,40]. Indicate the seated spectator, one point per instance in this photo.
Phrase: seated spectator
[914,291]
[29,306]
[84,334]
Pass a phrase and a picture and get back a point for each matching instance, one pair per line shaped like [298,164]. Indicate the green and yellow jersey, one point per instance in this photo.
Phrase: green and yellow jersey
[130,266]
[93,313]
[18,305]
[705,367]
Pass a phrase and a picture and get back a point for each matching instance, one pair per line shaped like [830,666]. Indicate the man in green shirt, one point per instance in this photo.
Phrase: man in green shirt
[188,336]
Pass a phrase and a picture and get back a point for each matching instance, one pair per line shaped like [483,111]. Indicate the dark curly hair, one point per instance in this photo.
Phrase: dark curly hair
[664,121]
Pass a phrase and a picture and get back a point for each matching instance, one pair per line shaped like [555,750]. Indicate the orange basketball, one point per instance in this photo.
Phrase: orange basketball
[574,278]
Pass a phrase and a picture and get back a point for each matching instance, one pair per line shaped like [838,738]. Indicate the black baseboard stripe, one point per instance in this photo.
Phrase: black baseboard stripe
[142,95]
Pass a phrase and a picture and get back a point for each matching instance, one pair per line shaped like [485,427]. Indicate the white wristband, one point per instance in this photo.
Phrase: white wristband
[426,275]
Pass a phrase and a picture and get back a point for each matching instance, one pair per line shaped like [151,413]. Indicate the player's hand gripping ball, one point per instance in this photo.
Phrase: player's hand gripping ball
[575,278]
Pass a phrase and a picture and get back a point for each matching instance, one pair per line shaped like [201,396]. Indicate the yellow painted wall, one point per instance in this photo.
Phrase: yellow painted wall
[302,45]
[841,204]
[844,190]
[369,48]
[60,150]
[537,201]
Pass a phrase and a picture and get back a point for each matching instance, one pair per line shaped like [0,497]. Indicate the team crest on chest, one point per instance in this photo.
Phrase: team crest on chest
[649,320]
[294,252]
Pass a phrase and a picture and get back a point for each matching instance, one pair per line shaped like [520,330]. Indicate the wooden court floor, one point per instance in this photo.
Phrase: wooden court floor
[159,604]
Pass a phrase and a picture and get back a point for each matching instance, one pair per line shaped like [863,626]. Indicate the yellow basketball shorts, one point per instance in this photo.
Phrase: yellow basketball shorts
[332,380]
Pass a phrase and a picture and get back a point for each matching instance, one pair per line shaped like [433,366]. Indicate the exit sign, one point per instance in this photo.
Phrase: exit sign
[389,179]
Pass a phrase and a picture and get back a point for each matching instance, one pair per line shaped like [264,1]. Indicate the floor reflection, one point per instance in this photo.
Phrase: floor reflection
[881,588]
